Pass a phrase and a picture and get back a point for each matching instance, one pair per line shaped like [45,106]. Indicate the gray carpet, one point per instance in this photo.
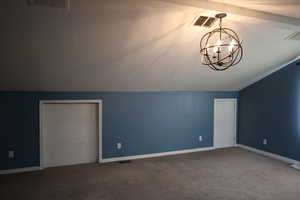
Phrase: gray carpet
[231,174]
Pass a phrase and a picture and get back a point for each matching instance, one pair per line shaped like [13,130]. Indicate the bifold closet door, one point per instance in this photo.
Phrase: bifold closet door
[69,133]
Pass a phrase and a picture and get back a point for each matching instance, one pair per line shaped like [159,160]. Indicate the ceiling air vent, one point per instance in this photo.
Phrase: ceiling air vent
[205,21]
[294,36]
[50,3]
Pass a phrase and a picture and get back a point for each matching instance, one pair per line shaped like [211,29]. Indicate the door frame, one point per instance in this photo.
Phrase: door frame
[82,101]
[234,100]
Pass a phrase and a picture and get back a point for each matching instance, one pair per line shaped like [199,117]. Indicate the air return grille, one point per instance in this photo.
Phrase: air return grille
[50,3]
[294,36]
[204,21]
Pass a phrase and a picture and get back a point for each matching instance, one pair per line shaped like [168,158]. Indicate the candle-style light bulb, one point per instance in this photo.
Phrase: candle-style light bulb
[230,47]
[217,46]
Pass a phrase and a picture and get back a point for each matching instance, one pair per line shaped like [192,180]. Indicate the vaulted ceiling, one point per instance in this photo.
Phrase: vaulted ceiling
[128,45]
[281,7]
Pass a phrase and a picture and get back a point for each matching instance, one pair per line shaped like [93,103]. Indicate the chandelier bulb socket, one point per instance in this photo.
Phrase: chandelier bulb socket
[220,15]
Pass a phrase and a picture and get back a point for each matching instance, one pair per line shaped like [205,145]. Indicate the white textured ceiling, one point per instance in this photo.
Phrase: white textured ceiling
[282,7]
[127,45]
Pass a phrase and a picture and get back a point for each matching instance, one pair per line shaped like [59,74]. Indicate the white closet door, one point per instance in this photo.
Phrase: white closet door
[224,123]
[70,134]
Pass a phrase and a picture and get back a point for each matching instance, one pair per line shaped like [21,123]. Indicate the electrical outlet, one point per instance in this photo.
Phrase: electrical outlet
[119,145]
[265,141]
[11,154]
[200,138]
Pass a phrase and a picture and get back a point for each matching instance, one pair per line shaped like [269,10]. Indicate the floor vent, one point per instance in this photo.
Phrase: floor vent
[204,21]
[50,3]
[294,36]
[125,161]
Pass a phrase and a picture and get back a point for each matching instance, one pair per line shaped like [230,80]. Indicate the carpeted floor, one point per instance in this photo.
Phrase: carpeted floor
[227,174]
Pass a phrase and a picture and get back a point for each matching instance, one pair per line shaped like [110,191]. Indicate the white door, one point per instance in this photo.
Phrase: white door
[224,123]
[69,133]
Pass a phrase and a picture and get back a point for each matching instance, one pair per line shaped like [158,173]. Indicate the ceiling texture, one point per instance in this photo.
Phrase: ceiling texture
[281,7]
[138,45]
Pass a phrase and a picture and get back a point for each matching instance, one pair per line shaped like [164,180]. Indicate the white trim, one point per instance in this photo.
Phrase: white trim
[106,160]
[263,75]
[100,145]
[296,165]
[225,100]
[41,134]
[70,101]
[268,154]
[19,170]
[42,102]
[234,100]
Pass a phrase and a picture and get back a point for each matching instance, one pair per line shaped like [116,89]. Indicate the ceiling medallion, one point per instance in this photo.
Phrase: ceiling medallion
[221,48]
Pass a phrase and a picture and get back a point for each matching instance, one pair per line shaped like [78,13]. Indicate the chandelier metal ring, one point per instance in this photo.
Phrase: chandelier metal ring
[221,48]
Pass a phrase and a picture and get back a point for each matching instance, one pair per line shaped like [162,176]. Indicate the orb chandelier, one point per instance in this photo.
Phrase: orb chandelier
[221,48]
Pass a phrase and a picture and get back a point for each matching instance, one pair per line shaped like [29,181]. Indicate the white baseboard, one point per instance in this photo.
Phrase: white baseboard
[271,155]
[296,165]
[106,160]
[19,170]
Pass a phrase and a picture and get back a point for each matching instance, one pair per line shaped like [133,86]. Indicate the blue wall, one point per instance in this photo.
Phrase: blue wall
[270,109]
[145,122]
